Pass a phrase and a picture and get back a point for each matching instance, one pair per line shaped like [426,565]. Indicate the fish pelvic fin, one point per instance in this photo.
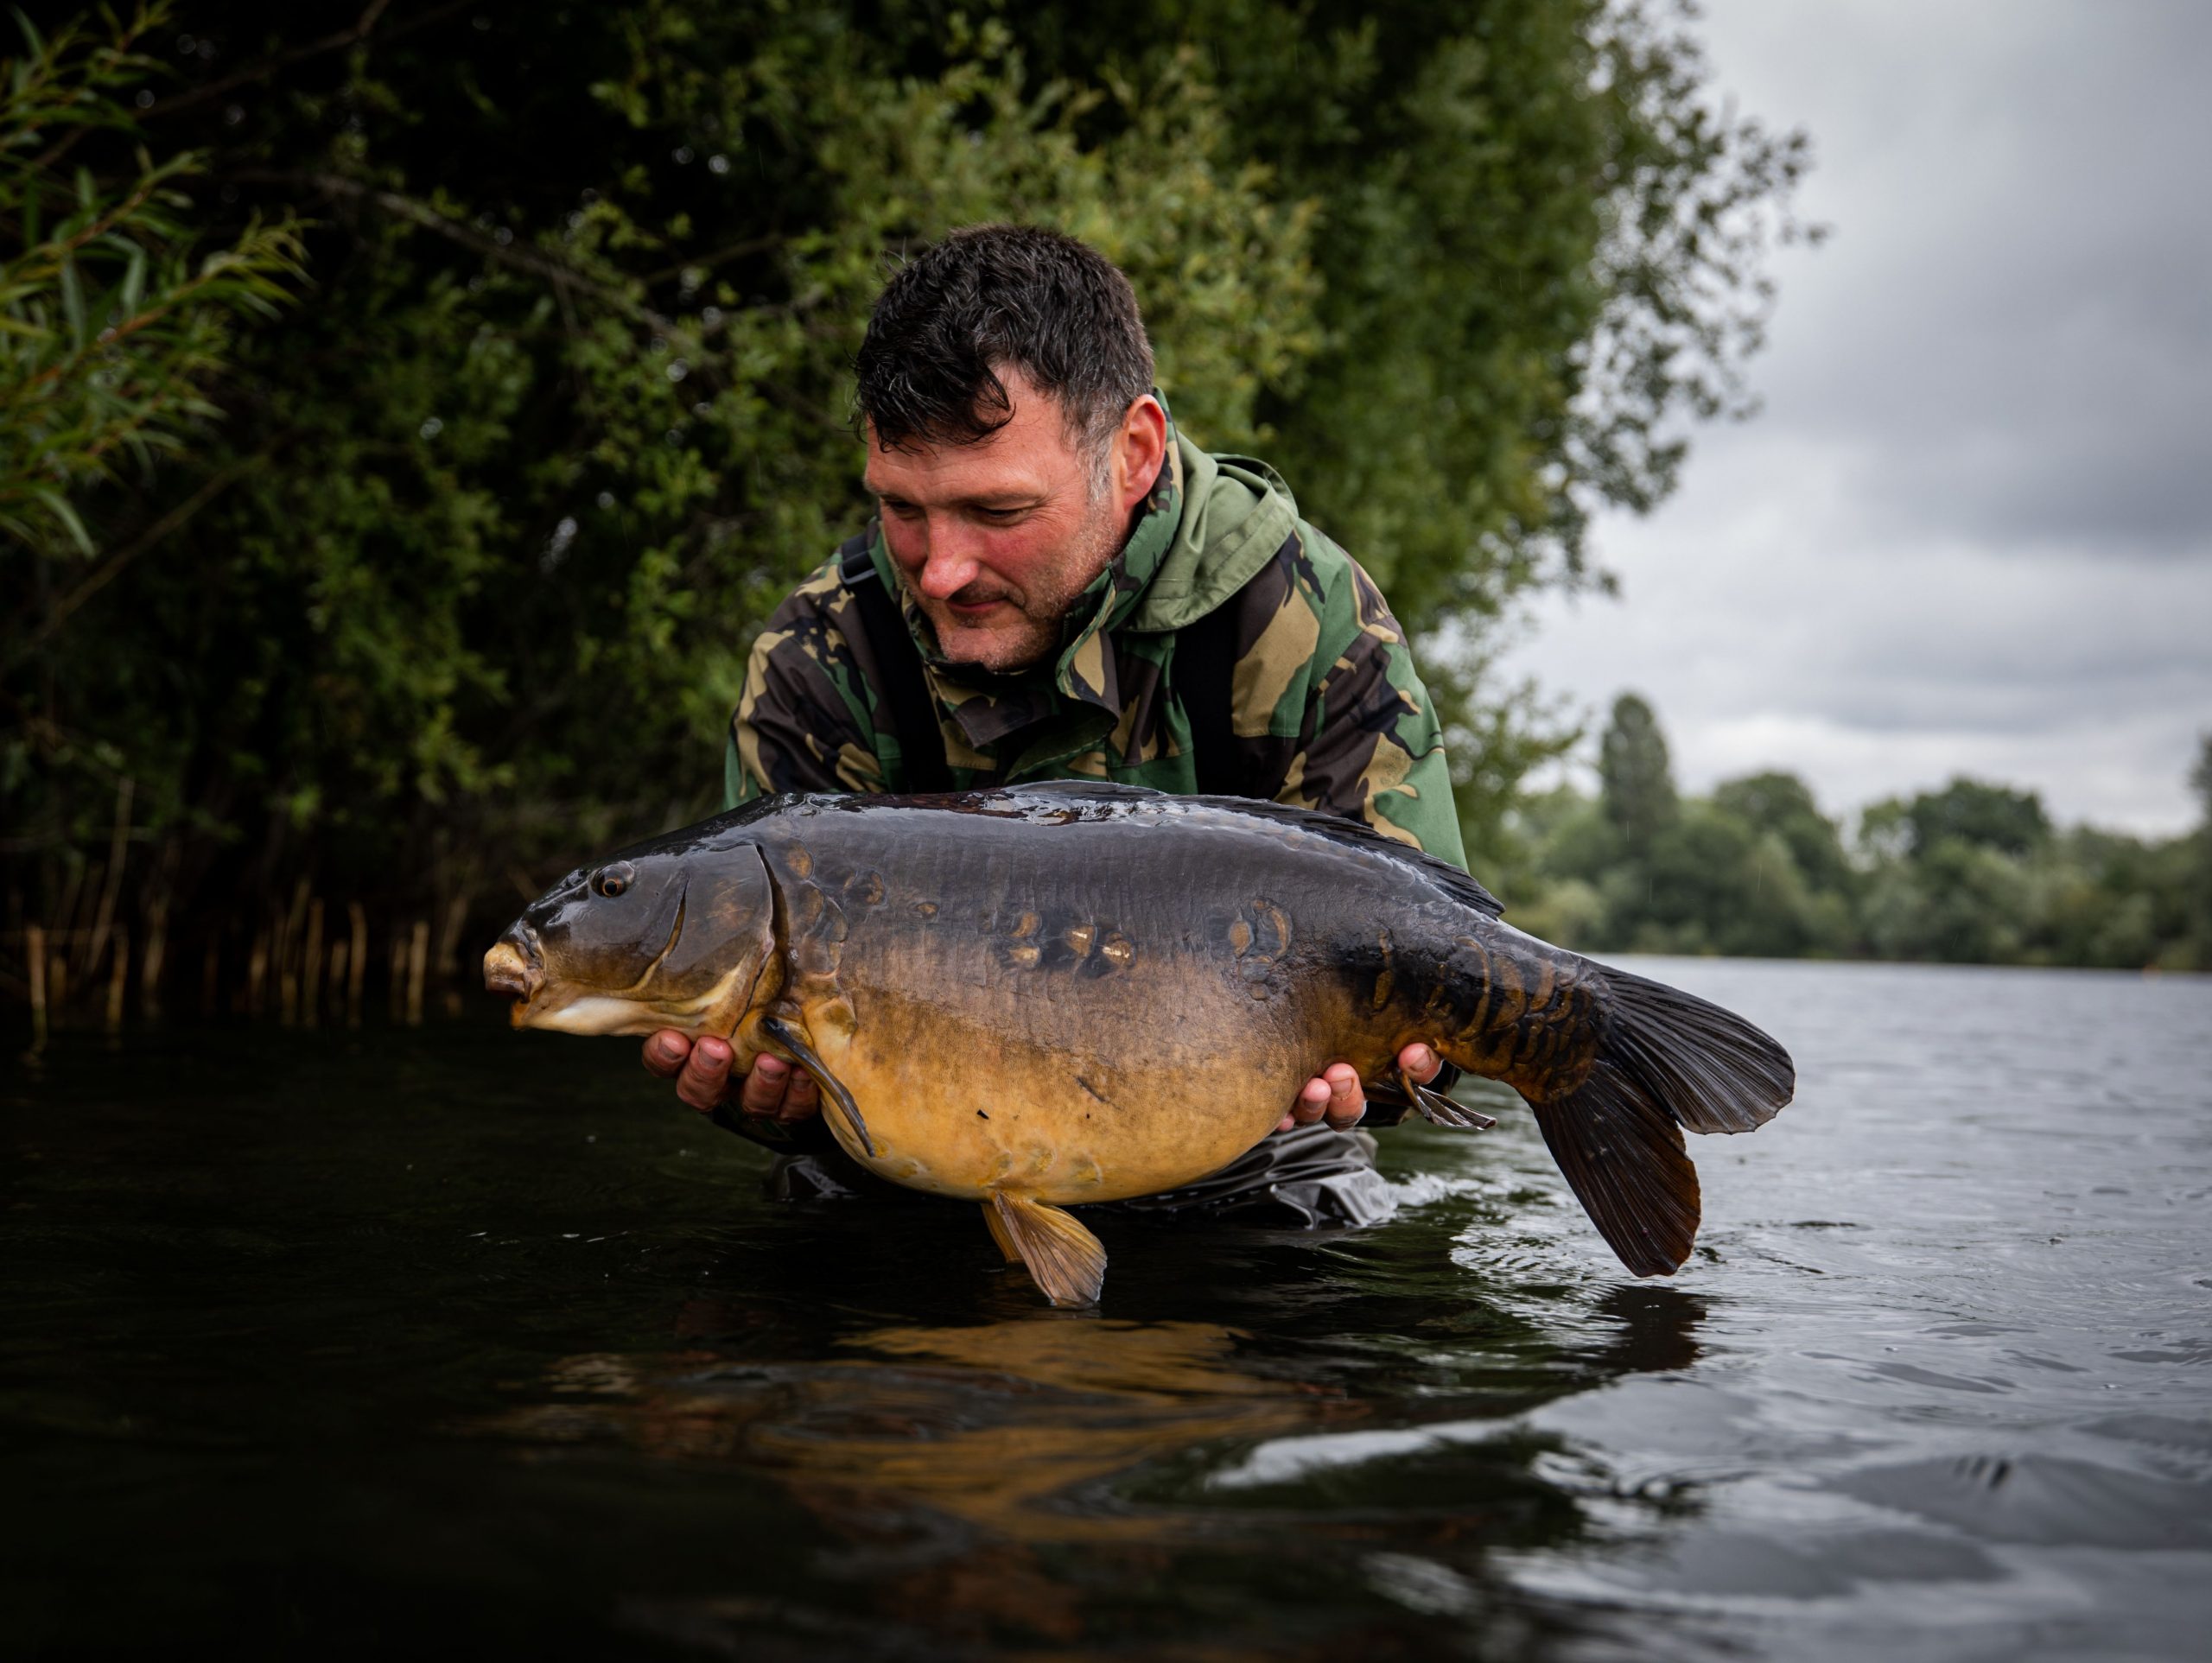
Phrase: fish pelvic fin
[1064,1259]
[1667,1060]
[998,1233]
[781,1031]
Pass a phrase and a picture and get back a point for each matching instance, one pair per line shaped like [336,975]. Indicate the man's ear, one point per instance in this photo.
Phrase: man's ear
[1139,449]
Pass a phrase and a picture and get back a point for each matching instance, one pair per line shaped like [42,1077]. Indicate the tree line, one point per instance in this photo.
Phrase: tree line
[1975,872]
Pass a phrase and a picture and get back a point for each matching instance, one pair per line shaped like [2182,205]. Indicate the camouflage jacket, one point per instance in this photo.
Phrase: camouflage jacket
[1329,713]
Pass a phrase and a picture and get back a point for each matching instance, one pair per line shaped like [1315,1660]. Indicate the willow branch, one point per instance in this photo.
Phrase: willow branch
[101,575]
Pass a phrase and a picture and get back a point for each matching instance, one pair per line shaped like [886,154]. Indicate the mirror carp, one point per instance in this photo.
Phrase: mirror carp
[1044,995]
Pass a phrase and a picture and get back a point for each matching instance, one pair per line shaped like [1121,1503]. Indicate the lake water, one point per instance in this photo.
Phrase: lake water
[358,1343]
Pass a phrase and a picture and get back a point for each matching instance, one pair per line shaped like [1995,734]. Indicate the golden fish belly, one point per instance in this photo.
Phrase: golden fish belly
[961,1109]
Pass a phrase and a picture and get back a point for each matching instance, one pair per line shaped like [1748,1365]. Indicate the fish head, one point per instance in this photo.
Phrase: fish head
[667,935]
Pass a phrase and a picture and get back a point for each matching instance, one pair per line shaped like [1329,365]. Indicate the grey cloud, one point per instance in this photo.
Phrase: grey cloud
[2014,316]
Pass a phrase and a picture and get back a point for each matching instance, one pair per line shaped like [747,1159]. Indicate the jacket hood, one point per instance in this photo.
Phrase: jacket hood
[1236,512]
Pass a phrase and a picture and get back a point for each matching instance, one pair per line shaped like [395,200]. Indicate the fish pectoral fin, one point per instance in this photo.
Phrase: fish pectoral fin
[999,1235]
[802,1053]
[1439,1110]
[1063,1259]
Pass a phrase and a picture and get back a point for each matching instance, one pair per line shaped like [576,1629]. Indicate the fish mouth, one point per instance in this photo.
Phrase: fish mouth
[515,968]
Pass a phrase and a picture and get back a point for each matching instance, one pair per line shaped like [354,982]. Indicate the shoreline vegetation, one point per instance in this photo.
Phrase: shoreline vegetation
[1973,874]
[405,426]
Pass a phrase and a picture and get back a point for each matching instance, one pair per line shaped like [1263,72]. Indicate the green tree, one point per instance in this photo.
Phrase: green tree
[1782,804]
[1636,779]
[1971,811]
[2199,903]
[1959,902]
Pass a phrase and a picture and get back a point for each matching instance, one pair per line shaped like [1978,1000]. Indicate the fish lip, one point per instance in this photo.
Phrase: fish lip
[514,967]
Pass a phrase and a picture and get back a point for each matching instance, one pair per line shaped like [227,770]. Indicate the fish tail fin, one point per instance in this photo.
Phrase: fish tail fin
[1622,1156]
[1667,1060]
[1063,1259]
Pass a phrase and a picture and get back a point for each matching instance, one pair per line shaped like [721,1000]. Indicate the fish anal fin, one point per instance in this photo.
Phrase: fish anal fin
[1065,1260]
[782,1033]
[1623,1154]
[999,1233]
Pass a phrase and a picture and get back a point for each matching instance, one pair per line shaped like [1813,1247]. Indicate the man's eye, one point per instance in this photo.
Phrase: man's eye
[1002,514]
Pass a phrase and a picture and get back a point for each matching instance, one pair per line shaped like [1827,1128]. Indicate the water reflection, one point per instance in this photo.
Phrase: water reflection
[1658,1329]
[1019,1478]
[1002,1428]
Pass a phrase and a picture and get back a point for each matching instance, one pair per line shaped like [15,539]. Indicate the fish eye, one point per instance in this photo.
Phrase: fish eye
[611,881]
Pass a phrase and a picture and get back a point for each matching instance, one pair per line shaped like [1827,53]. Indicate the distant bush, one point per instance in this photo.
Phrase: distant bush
[1974,873]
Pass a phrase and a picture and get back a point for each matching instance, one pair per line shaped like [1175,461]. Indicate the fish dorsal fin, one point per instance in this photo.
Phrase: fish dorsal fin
[1334,828]
[1064,1259]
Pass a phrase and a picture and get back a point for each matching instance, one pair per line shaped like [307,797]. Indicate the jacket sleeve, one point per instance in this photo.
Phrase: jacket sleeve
[804,720]
[1329,702]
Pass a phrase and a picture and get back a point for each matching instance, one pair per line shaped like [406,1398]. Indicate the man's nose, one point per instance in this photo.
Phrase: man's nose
[949,563]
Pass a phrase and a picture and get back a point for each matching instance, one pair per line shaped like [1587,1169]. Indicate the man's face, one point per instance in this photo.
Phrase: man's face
[996,539]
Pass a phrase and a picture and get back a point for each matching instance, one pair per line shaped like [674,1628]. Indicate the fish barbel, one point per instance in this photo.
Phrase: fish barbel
[1064,993]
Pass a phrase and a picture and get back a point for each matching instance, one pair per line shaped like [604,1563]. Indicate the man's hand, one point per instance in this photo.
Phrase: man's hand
[774,1090]
[1335,1093]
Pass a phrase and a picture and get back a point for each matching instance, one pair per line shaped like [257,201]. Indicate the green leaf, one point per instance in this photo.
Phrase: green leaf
[72,301]
[59,505]
[31,36]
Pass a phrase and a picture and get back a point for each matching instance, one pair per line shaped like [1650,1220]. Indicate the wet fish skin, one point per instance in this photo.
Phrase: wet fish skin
[1062,993]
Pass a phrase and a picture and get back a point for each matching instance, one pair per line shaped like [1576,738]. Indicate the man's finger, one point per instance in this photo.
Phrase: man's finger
[801,1098]
[664,1053]
[1420,1064]
[764,1086]
[705,1080]
[1313,1103]
[1346,1102]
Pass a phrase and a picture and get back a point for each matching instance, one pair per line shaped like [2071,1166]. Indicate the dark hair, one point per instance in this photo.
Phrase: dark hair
[990,295]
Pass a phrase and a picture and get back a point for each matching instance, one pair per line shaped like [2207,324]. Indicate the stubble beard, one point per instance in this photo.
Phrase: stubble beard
[1032,631]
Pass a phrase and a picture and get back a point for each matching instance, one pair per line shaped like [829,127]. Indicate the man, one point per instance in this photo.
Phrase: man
[1057,585]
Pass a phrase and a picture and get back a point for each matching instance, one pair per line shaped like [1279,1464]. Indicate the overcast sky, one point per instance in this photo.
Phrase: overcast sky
[1971,532]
